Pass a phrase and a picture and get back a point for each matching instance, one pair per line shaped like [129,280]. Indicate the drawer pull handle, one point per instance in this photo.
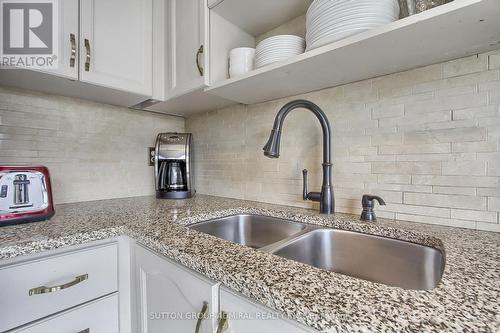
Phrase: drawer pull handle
[72,58]
[87,55]
[200,52]
[87,330]
[222,326]
[46,290]
[201,316]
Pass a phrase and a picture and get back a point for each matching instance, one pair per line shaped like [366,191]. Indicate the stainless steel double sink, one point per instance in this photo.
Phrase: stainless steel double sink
[373,258]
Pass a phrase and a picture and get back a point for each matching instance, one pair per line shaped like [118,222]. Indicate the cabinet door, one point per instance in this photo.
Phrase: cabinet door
[68,40]
[171,297]
[244,316]
[116,44]
[187,47]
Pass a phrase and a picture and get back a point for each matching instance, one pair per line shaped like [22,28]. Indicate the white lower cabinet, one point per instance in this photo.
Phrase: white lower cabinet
[240,315]
[100,316]
[172,298]
[41,287]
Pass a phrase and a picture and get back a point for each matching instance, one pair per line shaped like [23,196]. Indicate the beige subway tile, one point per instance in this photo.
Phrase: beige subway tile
[387,139]
[447,103]
[394,179]
[495,227]
[387,111]
[415,149]
[380,158]
[446,135]
[474,147]
[416,120]
[423,219]
[464,168]
[362,90]
[400,83]
[414,168]
[474,215]
[443,200]
[399,187]
[475,113]
[424,157]
[455,190]
[472,64]
[363,151]
[460,181]
[488,192]
[460,90]
[455,82]
[416,210]
[494,204]
[494,61]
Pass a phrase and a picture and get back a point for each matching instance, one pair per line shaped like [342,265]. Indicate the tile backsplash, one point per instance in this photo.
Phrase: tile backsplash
[93,151]
[426,140]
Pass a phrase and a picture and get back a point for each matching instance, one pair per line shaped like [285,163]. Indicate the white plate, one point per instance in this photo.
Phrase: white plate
[280,49]
[296,40]
[318,8]
[347,14]
[336,31]
[350,20]
[347,25]
[337,36]
[282,38]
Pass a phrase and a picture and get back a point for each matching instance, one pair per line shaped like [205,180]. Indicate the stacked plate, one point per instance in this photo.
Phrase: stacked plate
[328,21]
[278,48]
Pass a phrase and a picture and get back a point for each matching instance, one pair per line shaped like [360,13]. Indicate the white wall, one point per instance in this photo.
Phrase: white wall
[426,140]
[93,151]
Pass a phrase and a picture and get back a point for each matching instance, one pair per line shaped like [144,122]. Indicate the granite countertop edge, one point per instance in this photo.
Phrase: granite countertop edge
[324,301]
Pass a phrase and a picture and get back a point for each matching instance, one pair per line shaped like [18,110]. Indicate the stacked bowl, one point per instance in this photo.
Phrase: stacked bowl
[328,21]
[278,48]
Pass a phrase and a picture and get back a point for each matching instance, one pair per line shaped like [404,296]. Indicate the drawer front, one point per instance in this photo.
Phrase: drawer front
[97,317]
[81,277]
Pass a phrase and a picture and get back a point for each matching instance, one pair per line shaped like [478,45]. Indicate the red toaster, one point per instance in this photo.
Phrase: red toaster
[25,194]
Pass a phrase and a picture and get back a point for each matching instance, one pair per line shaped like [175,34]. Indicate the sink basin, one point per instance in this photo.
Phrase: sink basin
[378,259]
[250,230]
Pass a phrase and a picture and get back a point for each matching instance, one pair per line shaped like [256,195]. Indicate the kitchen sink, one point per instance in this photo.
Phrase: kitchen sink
[251,230]
[369,257]
[379,259]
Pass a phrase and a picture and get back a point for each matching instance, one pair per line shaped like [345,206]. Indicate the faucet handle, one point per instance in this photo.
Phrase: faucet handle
[305,191]
[367,200]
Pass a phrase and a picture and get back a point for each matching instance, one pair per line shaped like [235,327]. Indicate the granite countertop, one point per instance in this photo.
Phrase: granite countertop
[466,300]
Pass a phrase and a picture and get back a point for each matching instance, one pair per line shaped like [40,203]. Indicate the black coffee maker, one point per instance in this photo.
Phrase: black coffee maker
[173,169]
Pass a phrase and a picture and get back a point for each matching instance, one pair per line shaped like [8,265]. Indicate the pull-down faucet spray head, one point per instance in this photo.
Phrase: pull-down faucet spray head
[272,147]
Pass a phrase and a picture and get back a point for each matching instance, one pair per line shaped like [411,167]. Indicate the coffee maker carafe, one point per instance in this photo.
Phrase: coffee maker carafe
[173,169]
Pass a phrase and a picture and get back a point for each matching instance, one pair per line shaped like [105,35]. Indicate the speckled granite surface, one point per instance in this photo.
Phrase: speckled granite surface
[466,300]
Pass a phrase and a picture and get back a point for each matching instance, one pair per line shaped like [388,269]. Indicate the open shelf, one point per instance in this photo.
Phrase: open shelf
[454,30]
[259,16]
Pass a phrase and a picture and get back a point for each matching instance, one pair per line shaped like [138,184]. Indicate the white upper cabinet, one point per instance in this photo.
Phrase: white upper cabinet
[116,44]
[187,26]
[68,40]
